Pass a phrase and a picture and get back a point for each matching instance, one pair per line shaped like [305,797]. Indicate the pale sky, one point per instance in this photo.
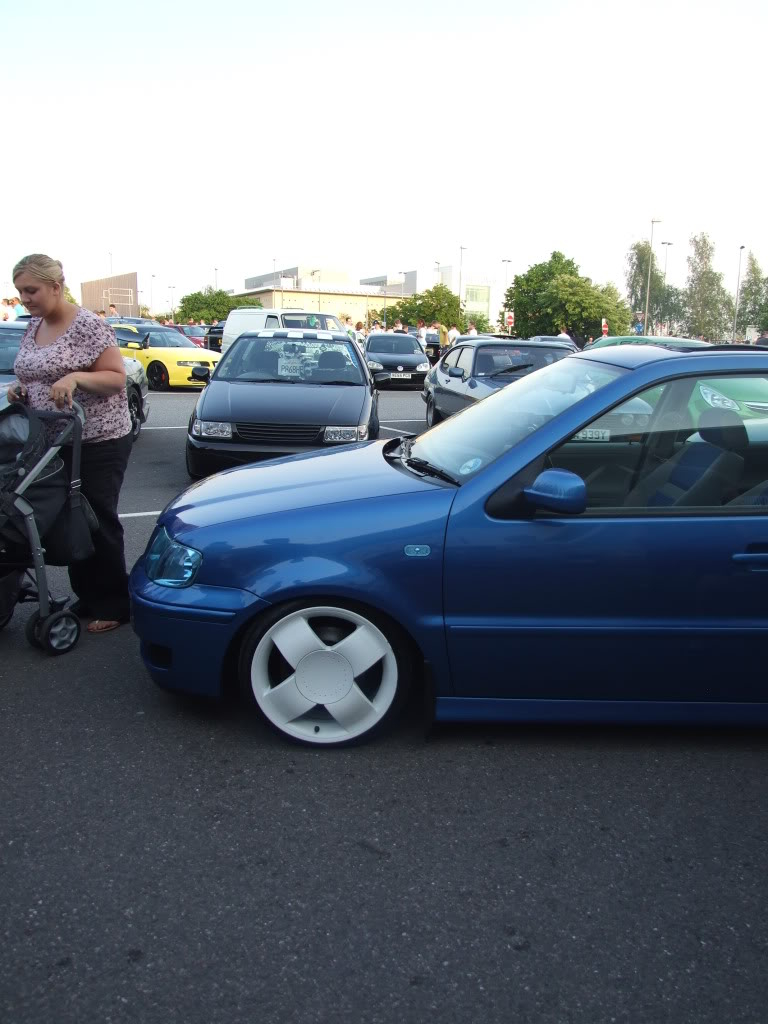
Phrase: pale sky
[183,136]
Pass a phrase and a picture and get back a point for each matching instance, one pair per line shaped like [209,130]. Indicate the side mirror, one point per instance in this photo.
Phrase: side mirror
[455,371]
[201,373]
[381,378]
[557,490]
[132,344]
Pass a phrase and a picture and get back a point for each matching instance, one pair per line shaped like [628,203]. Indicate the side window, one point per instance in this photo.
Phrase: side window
[157,340]
[451,359]
[690,444]
[272,323]
[465,360]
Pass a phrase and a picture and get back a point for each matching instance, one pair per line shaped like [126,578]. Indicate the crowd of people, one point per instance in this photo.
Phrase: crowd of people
[359,332]
[11,308]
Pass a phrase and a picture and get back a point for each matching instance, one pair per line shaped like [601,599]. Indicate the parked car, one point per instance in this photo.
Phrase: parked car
[538,577]
[433,346]
[213,337]
[474,367]
[167,356]
[250,319]
[195,332]
[555,337]
[136,384]
[399,355]
[282,392]
[675,344]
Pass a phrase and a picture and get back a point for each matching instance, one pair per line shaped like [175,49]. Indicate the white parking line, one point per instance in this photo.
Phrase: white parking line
[138,515]
[163,428]
[413,419]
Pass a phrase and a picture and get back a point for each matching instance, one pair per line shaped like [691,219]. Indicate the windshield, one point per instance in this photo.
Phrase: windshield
[311,322]
[194,332]
[287,360]
[471,440]
[393,344]
[499,359]
[10,340]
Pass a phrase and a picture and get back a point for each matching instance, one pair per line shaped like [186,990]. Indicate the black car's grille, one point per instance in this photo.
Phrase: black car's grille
[280,433]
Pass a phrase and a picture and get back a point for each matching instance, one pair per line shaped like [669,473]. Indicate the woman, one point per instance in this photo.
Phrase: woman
[68,352]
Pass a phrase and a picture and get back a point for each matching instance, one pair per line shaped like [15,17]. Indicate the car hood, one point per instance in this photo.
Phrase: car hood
[253,402]
[352,473]
[390,360]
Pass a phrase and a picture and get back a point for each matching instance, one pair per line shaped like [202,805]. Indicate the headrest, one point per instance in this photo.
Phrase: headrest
[331,361]
[723,428]
[484,363]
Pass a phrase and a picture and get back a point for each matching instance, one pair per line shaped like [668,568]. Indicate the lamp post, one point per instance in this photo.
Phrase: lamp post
[402,289]
[738,283]
[151,294]
[437,264]
[170,289]
[648,286]
[461,267]
[110,264]
[312,274]
[215,279]
[666,257]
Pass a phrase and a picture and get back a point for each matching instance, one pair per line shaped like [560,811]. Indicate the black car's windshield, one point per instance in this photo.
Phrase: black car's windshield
[393,344]
[306,360]
[496,360]
[10,340]
[466,443]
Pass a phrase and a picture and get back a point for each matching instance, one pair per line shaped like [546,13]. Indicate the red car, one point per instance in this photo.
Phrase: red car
[194,332]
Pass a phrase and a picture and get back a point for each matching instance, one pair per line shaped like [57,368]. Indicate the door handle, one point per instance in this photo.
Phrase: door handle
[754,561]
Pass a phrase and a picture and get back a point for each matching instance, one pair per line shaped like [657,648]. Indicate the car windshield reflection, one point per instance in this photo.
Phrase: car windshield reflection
[287,360]
[468,442]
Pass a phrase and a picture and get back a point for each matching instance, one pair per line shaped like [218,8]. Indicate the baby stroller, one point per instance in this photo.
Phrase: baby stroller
[43,519]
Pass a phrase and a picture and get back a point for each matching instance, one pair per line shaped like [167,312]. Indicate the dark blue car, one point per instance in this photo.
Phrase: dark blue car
[475,367]
[538,557]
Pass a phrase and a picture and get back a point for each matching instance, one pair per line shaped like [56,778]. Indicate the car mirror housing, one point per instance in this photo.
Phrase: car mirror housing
[133,344]
[201,373]
[455,371]
[557,490]
[380,378]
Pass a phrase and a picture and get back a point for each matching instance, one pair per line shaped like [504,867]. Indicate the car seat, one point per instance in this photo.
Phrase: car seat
[266,362]
[484,363]
[330,366]
[702,472]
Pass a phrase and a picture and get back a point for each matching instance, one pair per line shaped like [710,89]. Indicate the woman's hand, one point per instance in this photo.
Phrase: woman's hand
[16,393]
[63,390]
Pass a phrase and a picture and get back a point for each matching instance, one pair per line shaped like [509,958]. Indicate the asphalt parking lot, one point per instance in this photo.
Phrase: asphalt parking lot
[166,860]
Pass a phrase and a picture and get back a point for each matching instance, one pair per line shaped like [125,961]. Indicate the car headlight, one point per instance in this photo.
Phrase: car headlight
[716,400]
[342,435]
[422,366]
[188,362]
[170,564]
[211,428]
[373,365]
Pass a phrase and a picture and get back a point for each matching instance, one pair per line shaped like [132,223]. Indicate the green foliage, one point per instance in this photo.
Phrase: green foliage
[753,298]
[637,278]
[438,303]
[578,305]
[709,307]
[144,311]
[669,310]
[210,305]
[69,296]
[525,296]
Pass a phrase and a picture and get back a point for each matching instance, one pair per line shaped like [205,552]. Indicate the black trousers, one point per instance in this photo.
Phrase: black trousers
[101,582]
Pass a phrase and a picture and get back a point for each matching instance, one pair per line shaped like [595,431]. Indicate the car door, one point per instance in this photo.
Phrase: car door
[445,385]
[463,390]
[659,596]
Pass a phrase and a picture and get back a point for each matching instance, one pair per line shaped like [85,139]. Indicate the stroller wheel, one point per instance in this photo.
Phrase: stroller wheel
[60,632]
[32,630]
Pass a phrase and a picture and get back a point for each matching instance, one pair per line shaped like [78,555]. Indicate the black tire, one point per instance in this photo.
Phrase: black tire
[379,690]
[32,630]
[134,410]
[157,375]
[433,416]
[60,632]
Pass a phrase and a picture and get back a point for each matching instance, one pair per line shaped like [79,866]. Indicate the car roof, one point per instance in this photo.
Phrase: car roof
[14,325]
[703,360]
[639,339]
[298,333]
[480,340]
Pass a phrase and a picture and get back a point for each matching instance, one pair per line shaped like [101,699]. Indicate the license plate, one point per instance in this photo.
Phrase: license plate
[288,368]
[593,434]
[406,375]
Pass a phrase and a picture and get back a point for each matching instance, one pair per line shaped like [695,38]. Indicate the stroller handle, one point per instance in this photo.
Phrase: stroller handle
[74,417]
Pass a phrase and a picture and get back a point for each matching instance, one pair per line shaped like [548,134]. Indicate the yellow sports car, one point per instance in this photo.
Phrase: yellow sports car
[166,355]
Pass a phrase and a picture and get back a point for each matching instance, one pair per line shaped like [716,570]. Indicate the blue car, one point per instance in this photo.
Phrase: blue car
[538,557]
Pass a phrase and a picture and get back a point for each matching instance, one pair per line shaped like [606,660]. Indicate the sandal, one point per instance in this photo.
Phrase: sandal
[104,625]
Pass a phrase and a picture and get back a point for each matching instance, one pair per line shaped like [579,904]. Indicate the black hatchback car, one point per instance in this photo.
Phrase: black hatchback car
[474,367]
[399,355]
[282,392]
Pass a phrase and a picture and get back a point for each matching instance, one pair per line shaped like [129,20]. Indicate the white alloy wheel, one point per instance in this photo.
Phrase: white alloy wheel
[325,675]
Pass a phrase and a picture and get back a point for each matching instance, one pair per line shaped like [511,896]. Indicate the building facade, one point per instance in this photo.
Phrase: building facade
[122,290]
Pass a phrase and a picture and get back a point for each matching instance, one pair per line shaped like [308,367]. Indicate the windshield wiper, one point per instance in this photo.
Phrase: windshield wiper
[422,465]
[266,380]
[350,383]
[510,369]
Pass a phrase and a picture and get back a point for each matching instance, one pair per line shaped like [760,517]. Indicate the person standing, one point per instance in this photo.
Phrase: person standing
[453,334]
[113,309]
[472,330]
[19,310]
[564,335]
[421,333]
[68,352]
[9,313]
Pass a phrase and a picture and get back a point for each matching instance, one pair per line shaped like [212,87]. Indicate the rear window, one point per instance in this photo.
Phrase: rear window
[518,359]
[10,340]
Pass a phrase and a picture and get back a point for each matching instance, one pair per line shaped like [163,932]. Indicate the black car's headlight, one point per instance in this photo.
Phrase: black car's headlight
[342,435]
[211,428]
[170,564]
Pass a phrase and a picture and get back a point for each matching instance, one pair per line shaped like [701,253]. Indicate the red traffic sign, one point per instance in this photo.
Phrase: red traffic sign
[605,326]
[509,318]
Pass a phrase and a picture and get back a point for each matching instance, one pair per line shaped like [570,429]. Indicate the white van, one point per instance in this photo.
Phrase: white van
[248,319]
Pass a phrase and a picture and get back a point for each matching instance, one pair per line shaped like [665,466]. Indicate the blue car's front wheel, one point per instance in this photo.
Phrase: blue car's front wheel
[326,674]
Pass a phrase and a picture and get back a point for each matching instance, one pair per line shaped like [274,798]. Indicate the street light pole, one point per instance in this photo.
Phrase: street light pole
[666,257]
[461,267]
[437,264]
[215,279]
[738,283]
[151,294]
[110,264]
[170,289]
[402,289]
[648,286]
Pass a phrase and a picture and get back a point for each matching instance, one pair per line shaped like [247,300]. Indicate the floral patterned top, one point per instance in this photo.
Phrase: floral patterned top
[78,348]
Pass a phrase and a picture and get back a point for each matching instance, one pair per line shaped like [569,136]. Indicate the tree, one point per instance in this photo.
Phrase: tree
[144,311]
[753,298]
[577,304]
[211,305]
[670,311]
[438,303]
[524,296]
[69,296]
[709,307]
[637,279]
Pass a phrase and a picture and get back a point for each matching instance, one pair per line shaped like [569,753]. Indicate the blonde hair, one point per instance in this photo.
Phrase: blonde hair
[41,267]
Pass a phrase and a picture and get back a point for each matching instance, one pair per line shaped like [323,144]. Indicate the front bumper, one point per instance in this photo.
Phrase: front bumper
[413,383]
[205,457]
[185,634]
